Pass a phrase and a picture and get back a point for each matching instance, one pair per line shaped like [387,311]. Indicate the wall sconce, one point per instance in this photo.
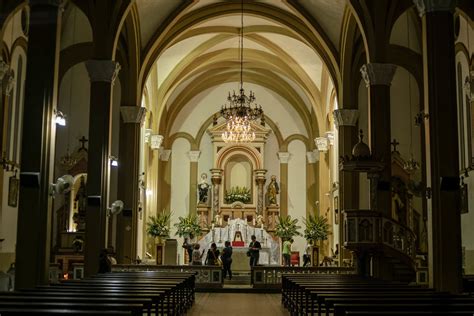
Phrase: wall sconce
[60,118]
[113,161]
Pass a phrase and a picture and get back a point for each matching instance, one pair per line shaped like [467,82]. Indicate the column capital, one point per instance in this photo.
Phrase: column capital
[345,117]
[133,114]
[284,156]
[165,154]
[426,6]
[378,74]
[216,176]
[8,82]
[156,141]
[312,156]
[194,155]
[322,143]
[102,70]
[4,67]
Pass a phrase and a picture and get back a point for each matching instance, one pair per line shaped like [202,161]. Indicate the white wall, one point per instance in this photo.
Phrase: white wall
[297,190]
[180,168]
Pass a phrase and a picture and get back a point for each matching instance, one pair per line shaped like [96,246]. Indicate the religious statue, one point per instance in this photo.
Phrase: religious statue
[80,202]
[259,220]
[272,191]
[203,189]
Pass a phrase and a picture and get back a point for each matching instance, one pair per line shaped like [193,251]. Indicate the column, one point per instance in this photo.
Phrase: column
[378,78]
[5,72]
[164,186]
[346,120]
[193,176]
[102,74]
[260,181]
[444,232]
[216,180]
[128,182]
[284,157]
[37,148]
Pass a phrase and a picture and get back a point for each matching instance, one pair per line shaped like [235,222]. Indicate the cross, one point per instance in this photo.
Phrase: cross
[394,143]
[83,140]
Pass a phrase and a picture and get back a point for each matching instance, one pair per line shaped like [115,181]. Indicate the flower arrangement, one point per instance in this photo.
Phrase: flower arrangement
[187,226]
[317,228]
[159,226]
[241,194]
[286,227]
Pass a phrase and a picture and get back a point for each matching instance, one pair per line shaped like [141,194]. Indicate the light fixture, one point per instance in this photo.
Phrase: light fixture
[411,164]
[241,109]
[113,161]
[60,118]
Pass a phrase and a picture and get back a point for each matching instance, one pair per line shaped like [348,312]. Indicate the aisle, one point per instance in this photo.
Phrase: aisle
[237,304]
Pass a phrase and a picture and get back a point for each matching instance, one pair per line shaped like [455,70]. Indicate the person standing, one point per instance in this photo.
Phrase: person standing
[212,258]
[189,249]
[287,252]
[197,255]
[254,251]
[226,258]
[307,254]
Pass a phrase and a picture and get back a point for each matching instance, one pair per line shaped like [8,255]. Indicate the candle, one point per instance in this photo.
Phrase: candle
[262,225]
[212,226]
[254,222]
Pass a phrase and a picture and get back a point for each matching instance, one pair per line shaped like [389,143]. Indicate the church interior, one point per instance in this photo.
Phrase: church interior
[149,128]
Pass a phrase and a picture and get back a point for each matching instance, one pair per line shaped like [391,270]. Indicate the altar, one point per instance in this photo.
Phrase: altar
[239,230]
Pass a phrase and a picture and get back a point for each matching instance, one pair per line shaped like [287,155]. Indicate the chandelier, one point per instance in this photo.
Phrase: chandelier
[240,109]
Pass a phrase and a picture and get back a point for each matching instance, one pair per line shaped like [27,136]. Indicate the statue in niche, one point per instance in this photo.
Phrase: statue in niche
[272,190]
[203,189]
[260,221]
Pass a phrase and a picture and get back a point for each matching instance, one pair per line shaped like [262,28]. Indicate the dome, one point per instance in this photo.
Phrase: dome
[361,150]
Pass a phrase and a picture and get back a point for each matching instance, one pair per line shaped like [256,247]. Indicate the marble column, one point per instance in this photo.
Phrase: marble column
[37,147]
[378,77]
[128,181]
[260,181]
[444,232]
[216,180]
[102,74]
[193,176]
[284,157]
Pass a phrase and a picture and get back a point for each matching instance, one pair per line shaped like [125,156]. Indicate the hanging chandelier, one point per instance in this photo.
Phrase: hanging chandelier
[240,109]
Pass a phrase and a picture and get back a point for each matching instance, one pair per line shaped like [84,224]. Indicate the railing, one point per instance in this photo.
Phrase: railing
[270,276]
[206,276]
[366,228]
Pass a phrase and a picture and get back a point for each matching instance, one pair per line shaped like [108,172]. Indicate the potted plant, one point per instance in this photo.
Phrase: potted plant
[317,230]
[287,227]
[159,226]
[188,226]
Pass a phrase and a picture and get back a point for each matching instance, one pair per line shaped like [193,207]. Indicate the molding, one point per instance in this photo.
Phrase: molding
[284,157]
[133,114]
[378,74]
[4,67]
[345,117]
[194,155]
[102,70]
[427,6]
[312,156]
[330,136]
[8,82]
[165,154]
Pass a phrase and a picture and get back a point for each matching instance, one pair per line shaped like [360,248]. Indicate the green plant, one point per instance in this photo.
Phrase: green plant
[159,226]
[188,225]
[286,227]
[317,228]
[241,194]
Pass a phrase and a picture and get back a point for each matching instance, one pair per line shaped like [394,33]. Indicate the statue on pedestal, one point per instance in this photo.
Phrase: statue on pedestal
[203,189]
[272,190]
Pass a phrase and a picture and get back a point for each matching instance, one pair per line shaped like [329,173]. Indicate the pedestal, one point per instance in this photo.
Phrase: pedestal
[159,254]
[271,215]
[171,252]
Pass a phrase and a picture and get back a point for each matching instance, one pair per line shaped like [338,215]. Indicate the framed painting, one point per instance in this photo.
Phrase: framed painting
[13,187]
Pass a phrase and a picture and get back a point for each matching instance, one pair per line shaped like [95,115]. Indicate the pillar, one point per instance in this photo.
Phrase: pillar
[284,157]
[260,181]
[216,180]
[128,182]
[193,176]
[102,74]
[378,78]
[37,148]
[439,74]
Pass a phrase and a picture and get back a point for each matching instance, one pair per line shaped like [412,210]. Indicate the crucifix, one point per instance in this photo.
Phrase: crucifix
[83,142]
[394,143]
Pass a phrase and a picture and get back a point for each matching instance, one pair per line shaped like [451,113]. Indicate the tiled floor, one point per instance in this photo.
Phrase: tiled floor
[237,304]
